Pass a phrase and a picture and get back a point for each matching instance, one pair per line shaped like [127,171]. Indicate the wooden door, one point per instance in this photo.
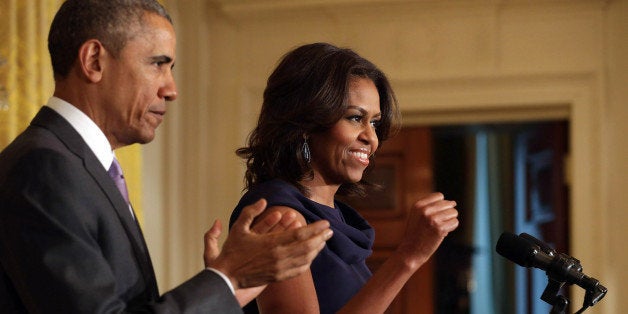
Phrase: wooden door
[403,165]
[542,206]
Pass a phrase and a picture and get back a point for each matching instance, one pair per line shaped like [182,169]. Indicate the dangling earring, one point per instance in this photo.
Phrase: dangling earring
[306,151]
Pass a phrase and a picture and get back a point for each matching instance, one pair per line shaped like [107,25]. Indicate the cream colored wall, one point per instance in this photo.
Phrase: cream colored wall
[615,156]
[462,61]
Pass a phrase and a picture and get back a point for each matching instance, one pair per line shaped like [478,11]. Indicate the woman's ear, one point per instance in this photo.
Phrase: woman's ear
[90,60]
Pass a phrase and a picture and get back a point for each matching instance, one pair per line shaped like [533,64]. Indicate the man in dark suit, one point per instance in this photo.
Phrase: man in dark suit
[69,241]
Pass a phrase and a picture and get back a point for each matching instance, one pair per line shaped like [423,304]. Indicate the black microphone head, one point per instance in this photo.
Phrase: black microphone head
[517,249]
[542,245]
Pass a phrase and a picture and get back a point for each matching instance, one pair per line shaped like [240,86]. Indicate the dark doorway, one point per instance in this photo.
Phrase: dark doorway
[505,177]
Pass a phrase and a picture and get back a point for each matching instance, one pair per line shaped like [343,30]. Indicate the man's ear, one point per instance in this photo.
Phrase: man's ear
[91,58]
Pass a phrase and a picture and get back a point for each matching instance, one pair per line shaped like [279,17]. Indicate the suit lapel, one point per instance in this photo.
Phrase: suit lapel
[52,121]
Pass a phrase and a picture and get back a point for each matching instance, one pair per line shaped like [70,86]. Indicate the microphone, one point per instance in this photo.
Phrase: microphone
[528,251]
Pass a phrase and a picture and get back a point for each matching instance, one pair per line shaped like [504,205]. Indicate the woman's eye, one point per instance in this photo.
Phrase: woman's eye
[355,118]
[376,123]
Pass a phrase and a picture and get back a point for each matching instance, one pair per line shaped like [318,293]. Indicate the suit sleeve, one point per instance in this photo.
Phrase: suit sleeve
[200,287]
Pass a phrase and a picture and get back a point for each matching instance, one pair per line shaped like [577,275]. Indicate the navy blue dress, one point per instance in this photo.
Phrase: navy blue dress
[340,270]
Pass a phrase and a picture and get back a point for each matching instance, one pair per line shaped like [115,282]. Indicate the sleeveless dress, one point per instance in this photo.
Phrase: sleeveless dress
[339,271]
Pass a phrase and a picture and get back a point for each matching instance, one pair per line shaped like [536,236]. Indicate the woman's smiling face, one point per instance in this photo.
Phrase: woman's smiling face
[341,154]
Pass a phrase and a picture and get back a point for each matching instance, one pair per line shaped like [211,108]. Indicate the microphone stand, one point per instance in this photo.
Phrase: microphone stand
[559,302]
[557,278]
[550,295]
[592,296]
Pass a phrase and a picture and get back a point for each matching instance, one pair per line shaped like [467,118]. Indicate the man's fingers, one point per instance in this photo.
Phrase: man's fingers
[214,231]
[313,230]
[300,256]
[276,221]
[267,223]
[302,239]
[289,221]
[294,225]
[211,242]
[244,221]
[256,259]
[317,227]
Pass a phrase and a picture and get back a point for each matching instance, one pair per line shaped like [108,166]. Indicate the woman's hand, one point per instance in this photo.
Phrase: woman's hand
[429,221]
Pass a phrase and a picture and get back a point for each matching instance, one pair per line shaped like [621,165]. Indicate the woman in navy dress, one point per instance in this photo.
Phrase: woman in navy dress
[326,110]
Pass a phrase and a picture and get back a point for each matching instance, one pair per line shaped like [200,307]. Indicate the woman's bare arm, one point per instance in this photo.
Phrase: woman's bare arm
[295,295]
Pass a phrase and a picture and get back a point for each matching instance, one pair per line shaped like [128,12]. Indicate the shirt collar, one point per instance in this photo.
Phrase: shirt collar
[85,126]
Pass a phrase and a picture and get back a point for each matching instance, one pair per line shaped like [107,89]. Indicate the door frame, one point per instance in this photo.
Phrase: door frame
[574,97]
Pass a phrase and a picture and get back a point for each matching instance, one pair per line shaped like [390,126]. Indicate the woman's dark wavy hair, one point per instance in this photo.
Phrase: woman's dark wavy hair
[308,93]
[112,22]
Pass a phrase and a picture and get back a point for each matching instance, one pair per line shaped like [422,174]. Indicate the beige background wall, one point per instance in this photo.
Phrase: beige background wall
[449,61]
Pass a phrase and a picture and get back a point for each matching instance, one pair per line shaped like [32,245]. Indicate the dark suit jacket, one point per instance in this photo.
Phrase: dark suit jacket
[68,243]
